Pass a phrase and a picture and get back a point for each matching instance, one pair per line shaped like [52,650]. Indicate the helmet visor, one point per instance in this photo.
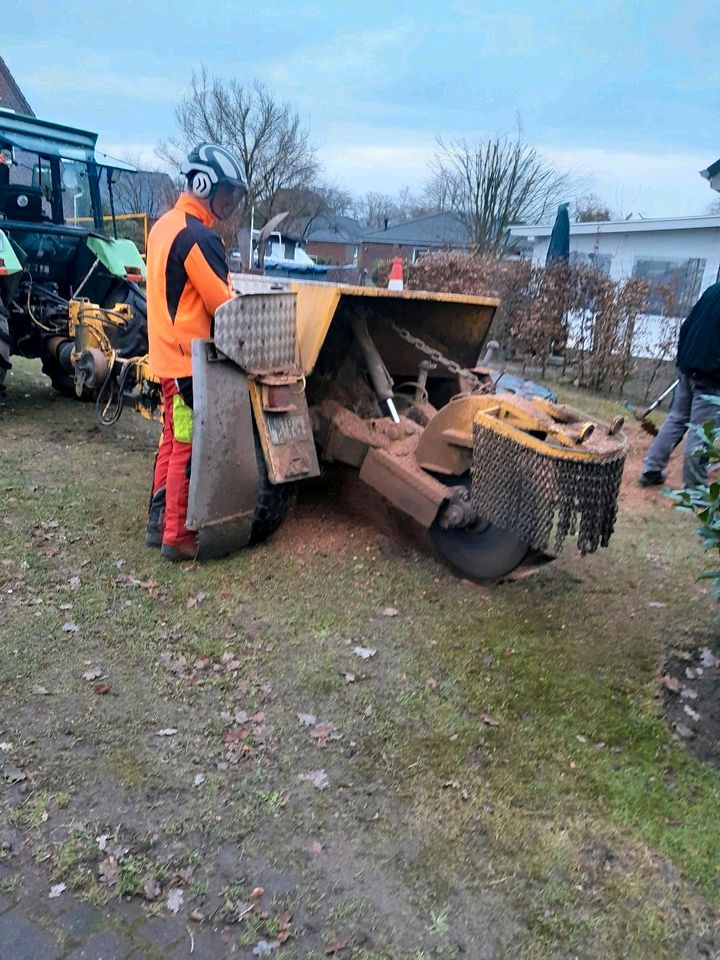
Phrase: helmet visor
[226,198]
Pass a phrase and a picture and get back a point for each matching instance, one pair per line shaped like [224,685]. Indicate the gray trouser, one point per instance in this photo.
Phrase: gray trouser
[689,409]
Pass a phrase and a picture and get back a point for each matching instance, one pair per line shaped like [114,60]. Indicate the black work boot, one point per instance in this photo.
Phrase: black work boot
[651,478]
[179,552]
[156,517]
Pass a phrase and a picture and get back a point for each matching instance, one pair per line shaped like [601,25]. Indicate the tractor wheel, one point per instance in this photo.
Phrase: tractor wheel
[481,552]
[274,500]
[61,381]
[5,344]
[132,341]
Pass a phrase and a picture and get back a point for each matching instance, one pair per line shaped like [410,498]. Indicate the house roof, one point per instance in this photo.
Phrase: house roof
[711,171]
[11,96]
[432,230]
[620,226]
[334,228]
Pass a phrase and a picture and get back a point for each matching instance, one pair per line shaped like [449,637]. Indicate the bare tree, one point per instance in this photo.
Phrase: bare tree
[714,208]
[374,209]
[590,209]
[266,135]
[149,191]
[307,205]
[494,183]
[442,190]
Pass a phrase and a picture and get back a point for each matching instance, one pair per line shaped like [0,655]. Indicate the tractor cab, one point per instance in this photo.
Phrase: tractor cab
[52,174]
[56,196]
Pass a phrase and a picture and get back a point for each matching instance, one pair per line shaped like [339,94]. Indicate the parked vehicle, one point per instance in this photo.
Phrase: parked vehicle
[50,178]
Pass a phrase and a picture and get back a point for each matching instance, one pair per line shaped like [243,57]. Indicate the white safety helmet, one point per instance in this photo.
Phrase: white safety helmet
[208,167]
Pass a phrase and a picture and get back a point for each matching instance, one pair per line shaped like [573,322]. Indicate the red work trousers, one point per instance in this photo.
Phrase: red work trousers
[172,472]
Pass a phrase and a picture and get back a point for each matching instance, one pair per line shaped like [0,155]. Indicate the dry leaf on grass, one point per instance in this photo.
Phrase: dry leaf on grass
[151,889]
[318,778]
[56,890]
[324,733]
[307,719]
[364,652]
[707,658]
[671,684]
[92,674]
[109,871]
[490,721]
[390,612]
[102,688]
[335,947]
[174,900]
[13,775]
[236,734]
[70,627]
[264,948]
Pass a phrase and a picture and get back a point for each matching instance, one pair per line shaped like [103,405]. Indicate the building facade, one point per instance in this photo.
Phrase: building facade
[679,251]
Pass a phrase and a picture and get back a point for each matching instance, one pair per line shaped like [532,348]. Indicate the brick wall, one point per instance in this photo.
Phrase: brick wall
[338,253]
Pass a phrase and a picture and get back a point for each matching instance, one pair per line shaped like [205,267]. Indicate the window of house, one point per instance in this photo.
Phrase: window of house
[684,276]
[419,252]
[600,261]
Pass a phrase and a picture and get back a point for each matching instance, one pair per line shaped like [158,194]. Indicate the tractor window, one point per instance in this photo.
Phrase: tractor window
[76,191]
[42,177]
[33,203]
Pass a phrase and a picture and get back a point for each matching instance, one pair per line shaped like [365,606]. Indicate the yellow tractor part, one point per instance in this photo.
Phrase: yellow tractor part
[96,362]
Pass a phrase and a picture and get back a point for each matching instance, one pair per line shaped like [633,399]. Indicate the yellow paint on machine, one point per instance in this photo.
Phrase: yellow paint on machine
[319,303]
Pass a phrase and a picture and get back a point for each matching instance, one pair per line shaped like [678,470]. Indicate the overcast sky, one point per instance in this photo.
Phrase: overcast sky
[627,93]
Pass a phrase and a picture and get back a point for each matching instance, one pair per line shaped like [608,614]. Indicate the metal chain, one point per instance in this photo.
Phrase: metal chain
[543,499]
[474,382]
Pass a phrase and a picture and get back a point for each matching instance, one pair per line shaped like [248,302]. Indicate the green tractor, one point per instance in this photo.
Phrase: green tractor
[54,251]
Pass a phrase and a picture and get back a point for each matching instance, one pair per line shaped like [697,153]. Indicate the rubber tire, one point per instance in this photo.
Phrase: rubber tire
[133,341]
[273,502]
[479,555]
[4,344]
[60,380]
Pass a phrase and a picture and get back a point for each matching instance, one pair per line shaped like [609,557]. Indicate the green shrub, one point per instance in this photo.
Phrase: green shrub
[704,500]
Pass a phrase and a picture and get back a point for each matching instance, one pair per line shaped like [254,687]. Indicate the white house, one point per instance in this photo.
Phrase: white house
[684,251]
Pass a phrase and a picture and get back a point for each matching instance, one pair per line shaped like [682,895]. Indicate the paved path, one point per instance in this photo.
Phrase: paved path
[36,928]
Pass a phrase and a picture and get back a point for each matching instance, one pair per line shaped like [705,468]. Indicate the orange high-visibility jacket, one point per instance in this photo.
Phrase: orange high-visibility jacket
[187,280]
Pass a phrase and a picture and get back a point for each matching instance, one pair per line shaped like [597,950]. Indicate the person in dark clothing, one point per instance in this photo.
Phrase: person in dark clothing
[698,362]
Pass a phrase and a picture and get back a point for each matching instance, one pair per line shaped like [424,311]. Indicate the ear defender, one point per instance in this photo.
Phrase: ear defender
[201,185]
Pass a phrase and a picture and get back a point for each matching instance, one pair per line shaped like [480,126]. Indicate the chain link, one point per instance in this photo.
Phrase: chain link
[541,498]
[475,383]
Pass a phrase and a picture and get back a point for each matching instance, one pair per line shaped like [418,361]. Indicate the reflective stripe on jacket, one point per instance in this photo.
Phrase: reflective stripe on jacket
[187,280]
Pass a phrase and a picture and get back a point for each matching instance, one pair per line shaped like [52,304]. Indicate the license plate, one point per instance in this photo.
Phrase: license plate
[285,429]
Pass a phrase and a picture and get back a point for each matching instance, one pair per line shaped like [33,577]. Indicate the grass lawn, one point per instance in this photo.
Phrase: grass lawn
[496,780]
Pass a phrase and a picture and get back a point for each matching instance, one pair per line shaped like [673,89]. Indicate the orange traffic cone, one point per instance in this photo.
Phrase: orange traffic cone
[396,275]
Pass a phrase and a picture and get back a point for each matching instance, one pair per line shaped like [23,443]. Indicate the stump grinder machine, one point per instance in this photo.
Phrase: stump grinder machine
[301,373]
[298,374]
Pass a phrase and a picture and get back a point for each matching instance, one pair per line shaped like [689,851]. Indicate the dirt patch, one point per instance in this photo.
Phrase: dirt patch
[691,684]
[632,495]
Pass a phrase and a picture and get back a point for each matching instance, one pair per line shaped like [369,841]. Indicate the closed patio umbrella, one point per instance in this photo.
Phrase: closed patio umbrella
[559,247]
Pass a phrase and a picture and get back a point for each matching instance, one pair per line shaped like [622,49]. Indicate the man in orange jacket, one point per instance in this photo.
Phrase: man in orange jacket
[187,280]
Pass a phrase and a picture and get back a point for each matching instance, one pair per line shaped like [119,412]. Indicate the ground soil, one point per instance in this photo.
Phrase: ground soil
[501,780]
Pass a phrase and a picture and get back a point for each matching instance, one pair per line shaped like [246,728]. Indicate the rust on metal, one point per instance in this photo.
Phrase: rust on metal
[286,438]
[404,484]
